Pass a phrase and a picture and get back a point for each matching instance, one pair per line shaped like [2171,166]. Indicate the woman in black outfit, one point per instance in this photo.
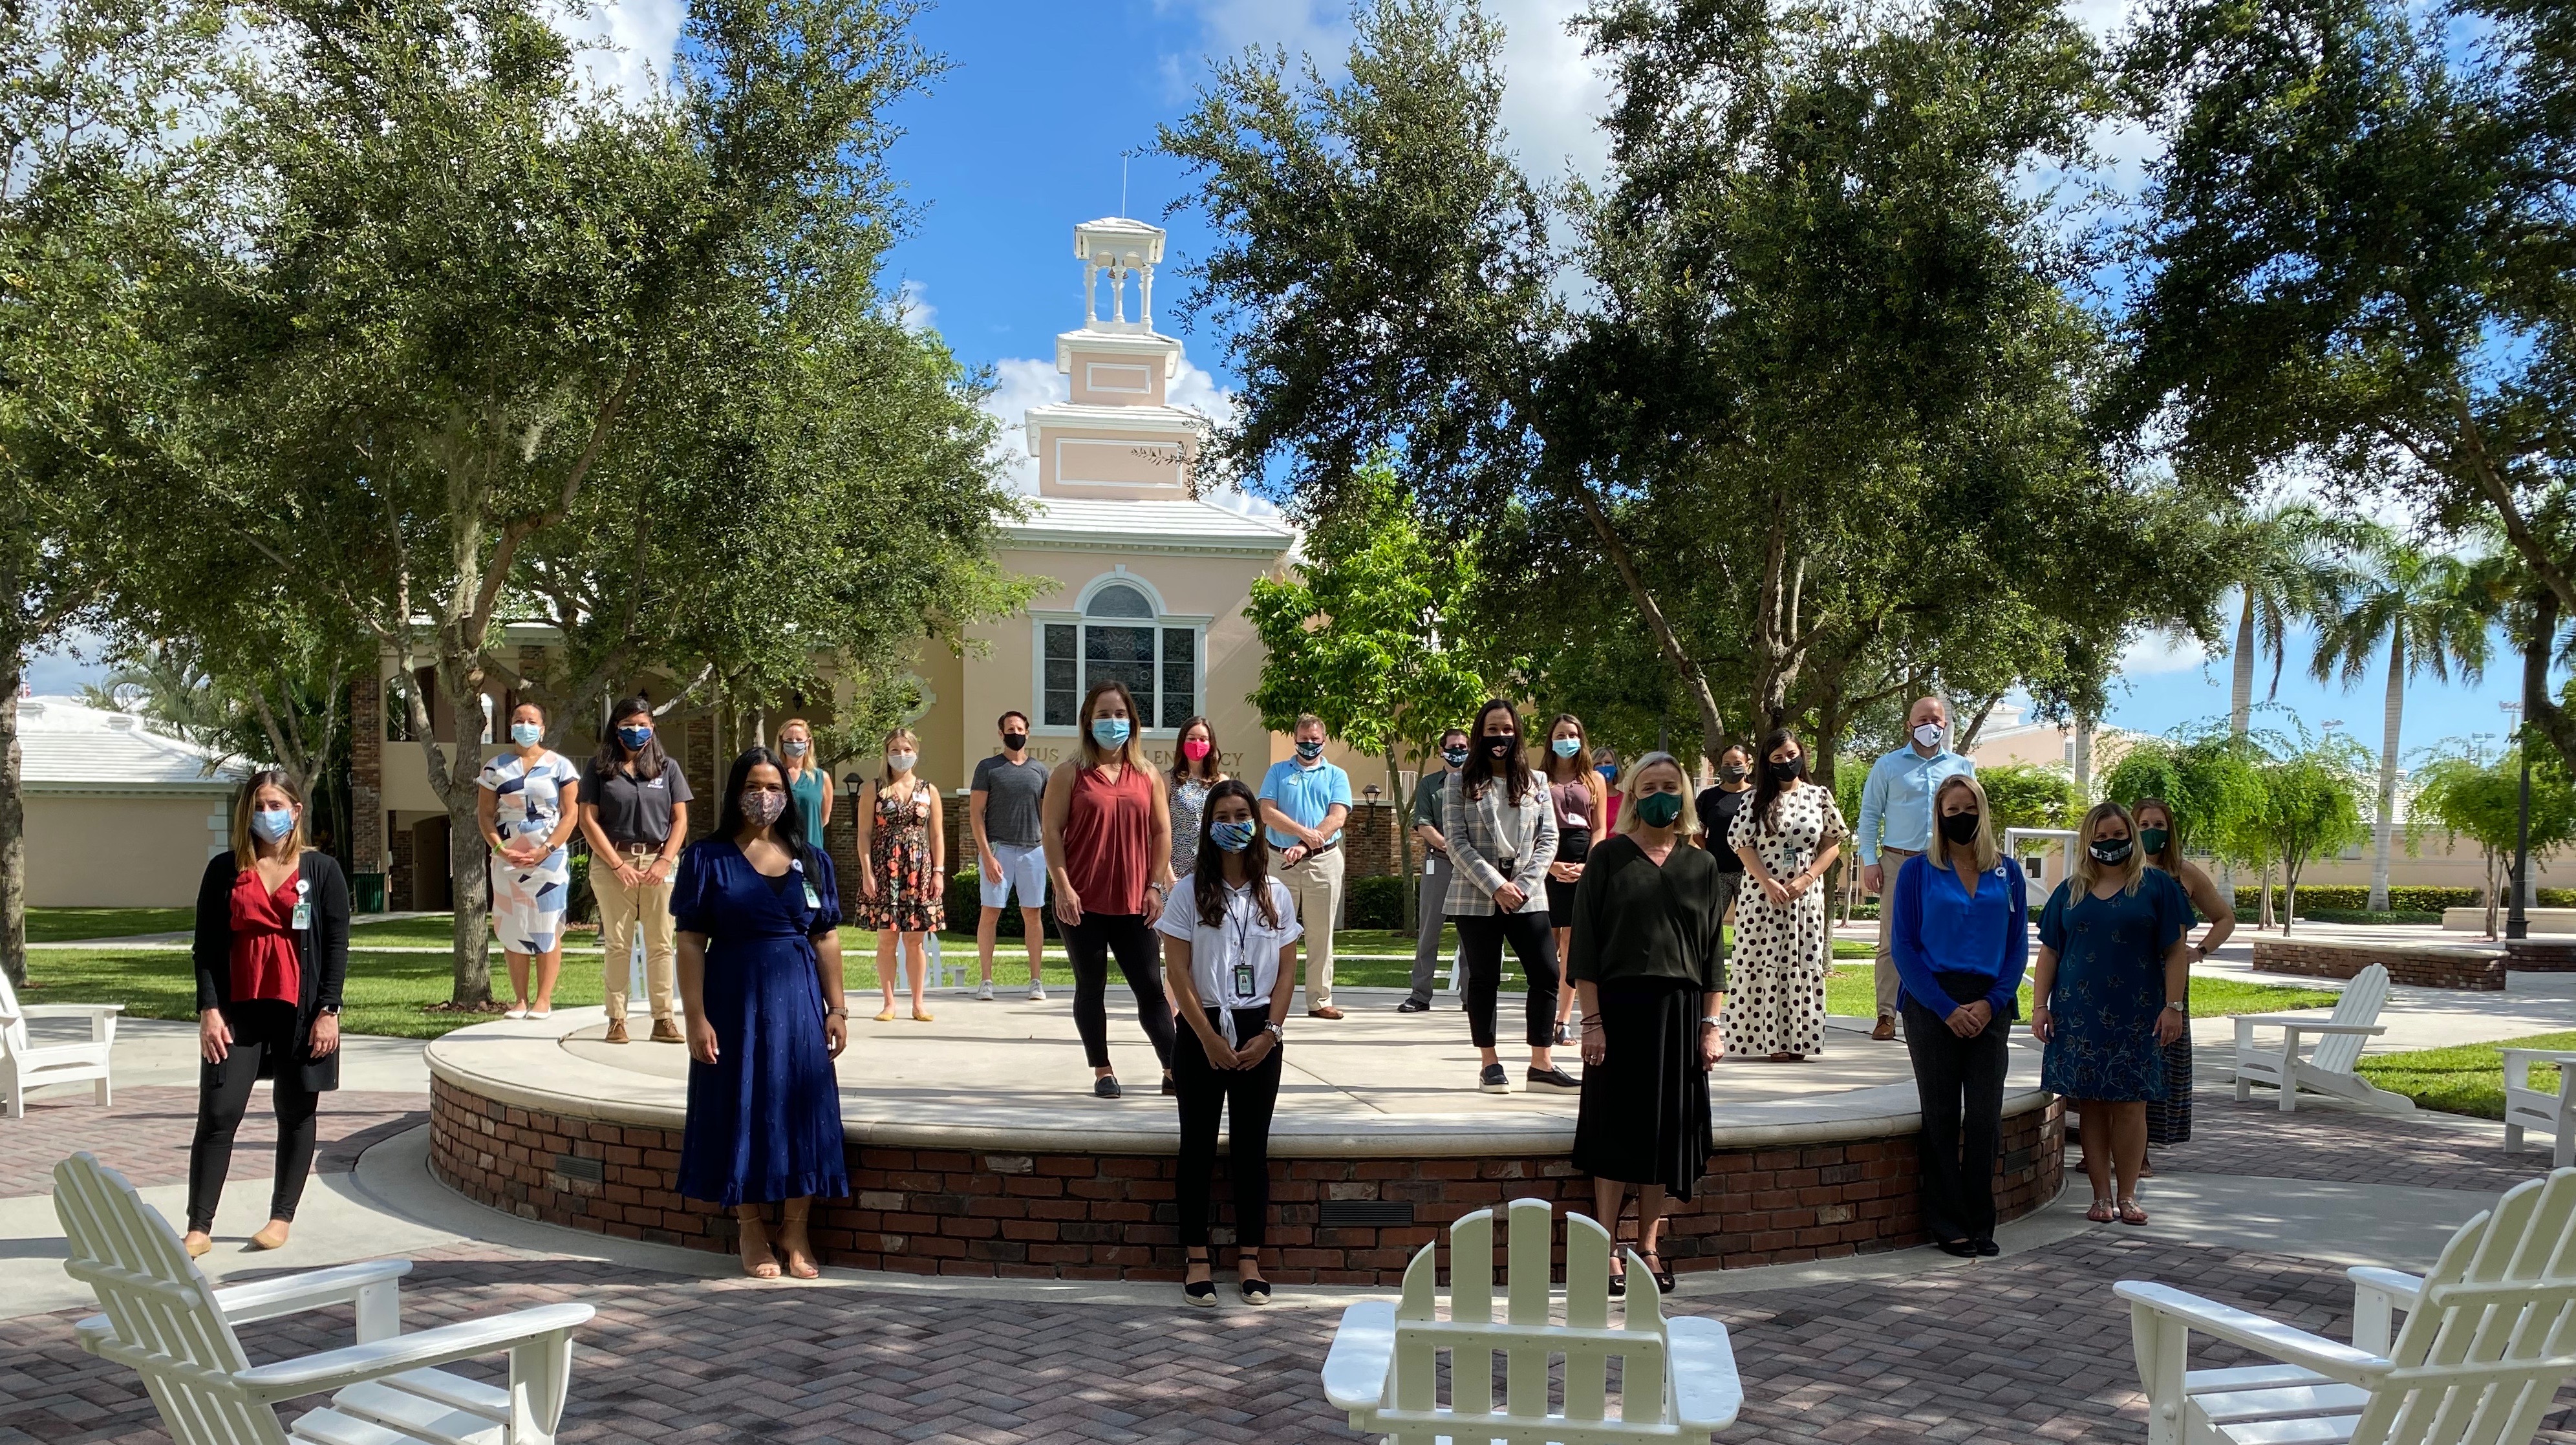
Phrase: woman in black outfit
[1649,962]
[272,950]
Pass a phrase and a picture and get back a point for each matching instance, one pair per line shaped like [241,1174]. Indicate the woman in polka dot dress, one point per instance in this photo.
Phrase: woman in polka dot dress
[1788,837]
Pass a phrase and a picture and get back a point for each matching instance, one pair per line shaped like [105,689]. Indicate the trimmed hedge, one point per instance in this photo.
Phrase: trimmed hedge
[1374,902]
[2355,898]
[966,908]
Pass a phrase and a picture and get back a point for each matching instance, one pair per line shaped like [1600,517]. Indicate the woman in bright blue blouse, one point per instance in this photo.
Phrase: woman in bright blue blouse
[758,914]
[1960,934]
[2109,992]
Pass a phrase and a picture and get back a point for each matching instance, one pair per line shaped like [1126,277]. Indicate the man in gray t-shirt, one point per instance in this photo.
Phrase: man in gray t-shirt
[1002,809]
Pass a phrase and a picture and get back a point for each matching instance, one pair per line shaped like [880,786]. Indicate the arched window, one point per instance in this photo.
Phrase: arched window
[1120,633]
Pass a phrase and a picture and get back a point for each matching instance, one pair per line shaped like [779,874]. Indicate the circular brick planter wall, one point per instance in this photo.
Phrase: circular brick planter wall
[1849,1190]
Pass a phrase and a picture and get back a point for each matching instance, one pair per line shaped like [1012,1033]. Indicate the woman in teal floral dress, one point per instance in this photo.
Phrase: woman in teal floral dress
[2108,993]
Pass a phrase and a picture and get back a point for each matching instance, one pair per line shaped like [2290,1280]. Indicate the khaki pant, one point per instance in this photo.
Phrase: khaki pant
[620,909]
[1316,883]
[1889,984]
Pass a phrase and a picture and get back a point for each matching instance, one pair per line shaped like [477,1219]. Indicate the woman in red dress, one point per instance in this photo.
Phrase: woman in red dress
[272,950]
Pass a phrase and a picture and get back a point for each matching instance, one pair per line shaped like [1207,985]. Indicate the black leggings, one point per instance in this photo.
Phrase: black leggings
[263,1029]
[1251,1094]
[1089,944]
[1480,960]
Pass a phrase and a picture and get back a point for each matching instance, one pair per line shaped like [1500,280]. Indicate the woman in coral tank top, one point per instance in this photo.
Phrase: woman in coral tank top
[1109,847]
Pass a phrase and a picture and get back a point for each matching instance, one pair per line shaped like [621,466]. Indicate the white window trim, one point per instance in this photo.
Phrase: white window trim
[1076,617]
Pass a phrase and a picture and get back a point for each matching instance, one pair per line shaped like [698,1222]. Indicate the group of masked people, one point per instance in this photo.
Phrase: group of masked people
[1185,878]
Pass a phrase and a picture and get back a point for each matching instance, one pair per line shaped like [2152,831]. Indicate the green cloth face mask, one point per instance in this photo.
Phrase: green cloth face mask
[2152,839]
[1659,810]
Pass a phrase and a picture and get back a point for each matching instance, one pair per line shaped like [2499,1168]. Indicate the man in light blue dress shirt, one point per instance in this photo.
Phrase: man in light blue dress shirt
[1304,801]
[1896,823]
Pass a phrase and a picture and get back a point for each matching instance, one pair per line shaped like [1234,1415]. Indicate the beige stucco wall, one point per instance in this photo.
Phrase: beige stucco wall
[105,852]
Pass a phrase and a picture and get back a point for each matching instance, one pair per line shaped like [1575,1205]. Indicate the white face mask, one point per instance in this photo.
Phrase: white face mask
[902,762]
[1927,735]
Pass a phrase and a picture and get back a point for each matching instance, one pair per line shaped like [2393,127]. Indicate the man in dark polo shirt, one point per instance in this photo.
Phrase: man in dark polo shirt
[1010,852]
[635,812]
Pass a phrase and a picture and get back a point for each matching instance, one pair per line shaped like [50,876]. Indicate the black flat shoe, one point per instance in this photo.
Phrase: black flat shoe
[1169,1087]
[1106,1086]
[1256,1290]
[1957,1248]
[1988,1249]
[1553,1080]
[1199,1292]
[1413,1006]
[1619,1285]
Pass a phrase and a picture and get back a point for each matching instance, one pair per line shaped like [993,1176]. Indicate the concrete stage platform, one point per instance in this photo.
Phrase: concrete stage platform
[976,1147]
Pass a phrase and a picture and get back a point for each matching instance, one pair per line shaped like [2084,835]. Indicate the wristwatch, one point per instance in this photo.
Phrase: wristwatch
[1274,1031]
[2183,1009]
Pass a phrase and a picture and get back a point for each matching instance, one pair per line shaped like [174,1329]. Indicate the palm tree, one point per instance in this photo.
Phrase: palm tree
[2428,610]
[2285,574]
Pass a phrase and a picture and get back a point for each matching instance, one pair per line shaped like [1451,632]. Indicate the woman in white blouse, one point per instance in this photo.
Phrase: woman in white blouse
[1230,936]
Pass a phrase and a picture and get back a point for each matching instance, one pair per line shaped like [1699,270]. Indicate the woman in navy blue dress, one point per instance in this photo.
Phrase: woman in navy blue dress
[2109,991]
[760,978]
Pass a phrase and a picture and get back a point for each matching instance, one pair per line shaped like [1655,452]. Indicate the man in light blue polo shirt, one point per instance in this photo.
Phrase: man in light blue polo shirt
[1304,801]
[1896,823]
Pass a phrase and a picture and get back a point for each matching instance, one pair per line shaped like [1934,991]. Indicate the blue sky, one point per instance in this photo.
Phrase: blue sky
[1021,139]
[2163,686]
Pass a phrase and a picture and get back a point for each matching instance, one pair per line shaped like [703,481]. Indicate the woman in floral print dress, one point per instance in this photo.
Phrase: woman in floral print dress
[901,886]
[1788,837]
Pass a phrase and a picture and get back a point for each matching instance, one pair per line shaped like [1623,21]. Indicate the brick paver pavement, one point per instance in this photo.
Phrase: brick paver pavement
[146,1134]
[2031,1347]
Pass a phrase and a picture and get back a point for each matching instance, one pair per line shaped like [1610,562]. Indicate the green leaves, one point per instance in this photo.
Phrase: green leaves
[1365,637]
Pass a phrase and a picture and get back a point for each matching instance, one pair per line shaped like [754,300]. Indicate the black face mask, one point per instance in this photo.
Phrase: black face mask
[1733,772]
[1959,828]
[1499,746]
[1790,771]
[1013,742]
[2109,850]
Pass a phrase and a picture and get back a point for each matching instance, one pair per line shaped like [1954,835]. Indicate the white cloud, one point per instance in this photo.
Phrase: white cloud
[1553,98]
[2161,652]
[624,45]
[911,305]
[1021,382]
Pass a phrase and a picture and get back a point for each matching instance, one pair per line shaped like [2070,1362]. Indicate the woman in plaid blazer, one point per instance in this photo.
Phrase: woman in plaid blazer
[1502,836]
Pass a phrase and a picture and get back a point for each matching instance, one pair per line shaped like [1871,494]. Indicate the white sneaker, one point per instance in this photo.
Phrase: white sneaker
[1037,991]
[985,993]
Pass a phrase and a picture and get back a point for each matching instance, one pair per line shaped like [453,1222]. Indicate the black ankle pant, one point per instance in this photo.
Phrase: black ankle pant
[1089,944]
[263,1030]
[1480,962]
[1251,1095]
[1961,1083]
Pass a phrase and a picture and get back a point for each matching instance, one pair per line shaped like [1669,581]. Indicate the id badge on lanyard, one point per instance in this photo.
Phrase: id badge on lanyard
[303,906]
[813,900]
[1244,982]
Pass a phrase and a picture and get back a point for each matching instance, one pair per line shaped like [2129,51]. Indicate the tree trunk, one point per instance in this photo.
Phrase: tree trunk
[13,823]
[2395,712]
[2290,896]
[1712,723]
[2083,765]
[469,871]
[1404,838]
[2240,697]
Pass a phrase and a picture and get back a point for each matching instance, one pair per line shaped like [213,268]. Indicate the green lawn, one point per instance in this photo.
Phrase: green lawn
[395,993]
[2461,1079]
[68,925]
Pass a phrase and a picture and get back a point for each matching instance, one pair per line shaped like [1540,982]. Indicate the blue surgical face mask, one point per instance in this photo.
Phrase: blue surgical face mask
[527,735]
[1109,732]
[635,737]
[1232,837]
[794,747]
[1310,750]
[1609,772]
[1566,747]
[272,824]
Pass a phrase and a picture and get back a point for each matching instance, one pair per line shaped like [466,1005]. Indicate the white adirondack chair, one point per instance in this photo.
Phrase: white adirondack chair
[166,1321]
[2552,1112]
[26,1064]
[2489,1336]
[1678,1380]
[2328,1069]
